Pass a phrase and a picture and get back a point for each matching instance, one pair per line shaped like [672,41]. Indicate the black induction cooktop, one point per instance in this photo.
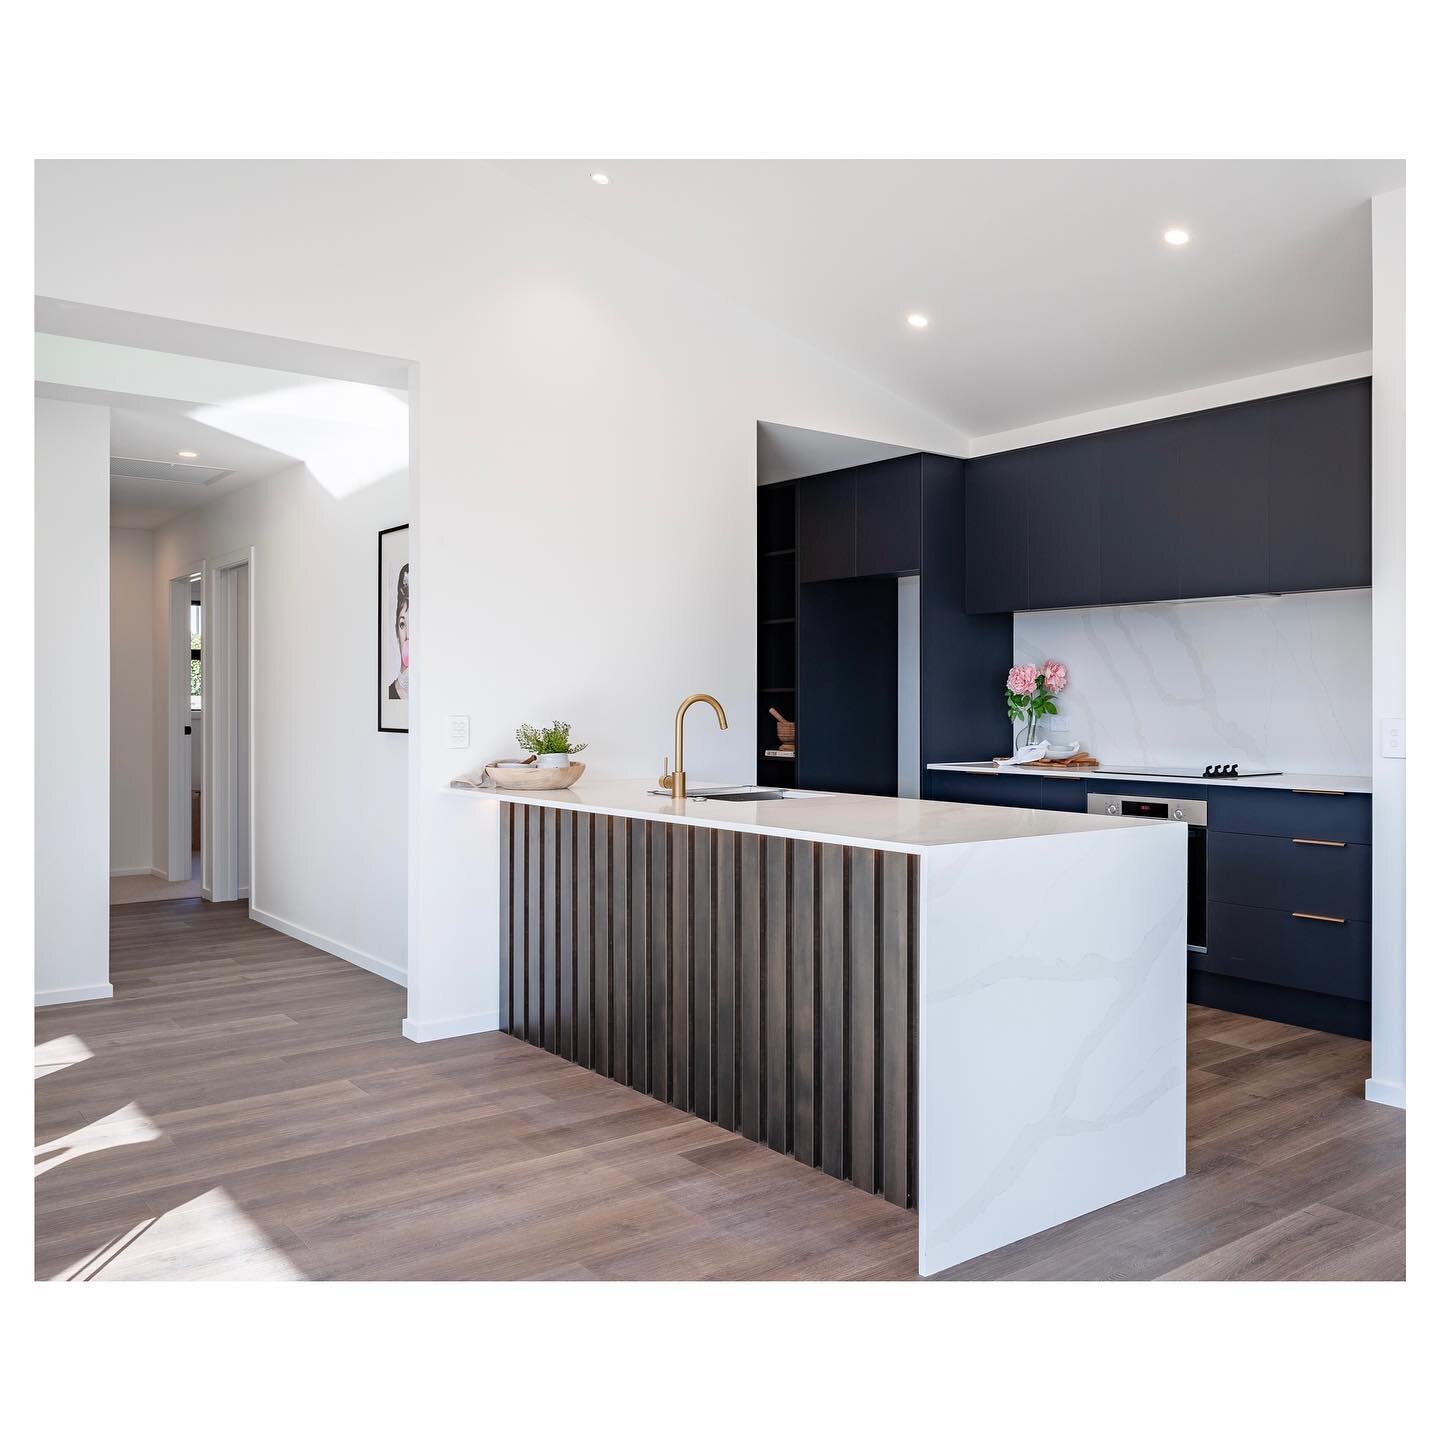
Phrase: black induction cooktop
[1188,772]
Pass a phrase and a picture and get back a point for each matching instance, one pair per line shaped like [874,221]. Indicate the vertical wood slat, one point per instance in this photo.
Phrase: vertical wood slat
[658,954]
[584,959]
[682,973]
[862,1017]
[533,873]
[802,995]
[752,990]
[550,920]
[831,963]
[519,997]
[620,950]
[640,839]
[895,1046]
[726,955]
[600,1021]
[565,983]
[507,957]
[765,983]
[776,1013]
[701,952]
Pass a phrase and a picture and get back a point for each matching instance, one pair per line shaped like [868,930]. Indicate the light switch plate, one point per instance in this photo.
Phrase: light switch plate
[1059,724]
[457,732]
[1392,737]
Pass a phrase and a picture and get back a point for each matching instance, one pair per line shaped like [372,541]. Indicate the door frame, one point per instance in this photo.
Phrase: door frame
[178,839]
[222,797]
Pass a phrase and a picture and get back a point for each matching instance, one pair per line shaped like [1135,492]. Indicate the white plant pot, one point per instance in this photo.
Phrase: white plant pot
[552,762]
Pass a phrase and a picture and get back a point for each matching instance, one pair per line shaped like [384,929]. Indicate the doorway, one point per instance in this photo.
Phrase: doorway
[227,792]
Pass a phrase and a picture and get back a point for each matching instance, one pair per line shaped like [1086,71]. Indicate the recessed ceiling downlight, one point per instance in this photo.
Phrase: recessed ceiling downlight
[917,321]
[1177,236]
[188,454]
[599,177]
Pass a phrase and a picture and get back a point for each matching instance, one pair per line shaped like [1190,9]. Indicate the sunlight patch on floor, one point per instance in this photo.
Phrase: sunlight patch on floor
[129,1125]
[207,1238]
[56,1054]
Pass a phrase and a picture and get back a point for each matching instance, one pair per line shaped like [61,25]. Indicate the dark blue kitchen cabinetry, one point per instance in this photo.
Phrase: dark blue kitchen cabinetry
[1288,920]
[997,524]
[1271,495]
[1063,527]
[825,527]
[1000,787]
[1319,510]
[857,531]
[1222,469]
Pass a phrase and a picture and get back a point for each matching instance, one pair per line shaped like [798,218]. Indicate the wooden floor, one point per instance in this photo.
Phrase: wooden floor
[246,1108]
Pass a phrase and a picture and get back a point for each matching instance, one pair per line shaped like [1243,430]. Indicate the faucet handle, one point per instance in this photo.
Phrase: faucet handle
[667,780]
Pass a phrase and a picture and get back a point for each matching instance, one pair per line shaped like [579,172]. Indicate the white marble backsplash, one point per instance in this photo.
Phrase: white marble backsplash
[1281,681]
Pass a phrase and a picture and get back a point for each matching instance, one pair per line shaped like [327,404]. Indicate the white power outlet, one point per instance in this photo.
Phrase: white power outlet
[1392,737]
[457,732]
[1059,724]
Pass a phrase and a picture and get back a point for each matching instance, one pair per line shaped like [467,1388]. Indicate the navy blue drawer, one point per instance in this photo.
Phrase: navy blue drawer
[1290,812]
[1274,873]
[1275,948]
[996,787]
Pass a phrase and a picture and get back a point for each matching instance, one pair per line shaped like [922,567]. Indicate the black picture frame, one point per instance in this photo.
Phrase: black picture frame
[384,631]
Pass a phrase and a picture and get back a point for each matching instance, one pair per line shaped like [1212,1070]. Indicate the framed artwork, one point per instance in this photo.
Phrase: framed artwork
[393,677]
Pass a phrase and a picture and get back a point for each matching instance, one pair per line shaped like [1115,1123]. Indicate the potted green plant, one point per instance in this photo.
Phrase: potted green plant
[552,747]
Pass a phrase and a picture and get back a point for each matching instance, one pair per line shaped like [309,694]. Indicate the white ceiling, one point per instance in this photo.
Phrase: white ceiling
[1048,286]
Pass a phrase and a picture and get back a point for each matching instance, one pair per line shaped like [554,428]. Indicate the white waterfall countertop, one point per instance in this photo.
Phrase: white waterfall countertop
[873,822]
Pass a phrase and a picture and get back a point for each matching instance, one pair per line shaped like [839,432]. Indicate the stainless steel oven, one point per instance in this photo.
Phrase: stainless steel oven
[1182,812]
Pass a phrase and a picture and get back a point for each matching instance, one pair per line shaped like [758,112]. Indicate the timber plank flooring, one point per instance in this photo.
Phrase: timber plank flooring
[246,1108]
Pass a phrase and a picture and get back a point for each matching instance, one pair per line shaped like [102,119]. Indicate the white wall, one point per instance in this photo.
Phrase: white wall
[72,702]
[1387,928]
[132,702]
[329,816]
[558,372]
[1277,681]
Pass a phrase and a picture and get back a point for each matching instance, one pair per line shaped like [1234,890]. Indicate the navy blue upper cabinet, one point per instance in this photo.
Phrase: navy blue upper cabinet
[1319,520]
[1063,549]
[1224,467]
[887,516]
[1139,515]
[996,533]
[1272,495]
[825,527]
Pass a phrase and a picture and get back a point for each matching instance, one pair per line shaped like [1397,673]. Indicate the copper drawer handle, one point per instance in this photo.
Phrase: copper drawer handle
[1332,844]
[1318,792]
[1305,915]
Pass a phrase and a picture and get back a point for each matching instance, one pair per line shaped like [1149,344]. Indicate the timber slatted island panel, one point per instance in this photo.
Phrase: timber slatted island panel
[762,983]
[975,1011]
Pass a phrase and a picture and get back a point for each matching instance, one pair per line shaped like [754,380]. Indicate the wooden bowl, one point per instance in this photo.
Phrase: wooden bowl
[532,777]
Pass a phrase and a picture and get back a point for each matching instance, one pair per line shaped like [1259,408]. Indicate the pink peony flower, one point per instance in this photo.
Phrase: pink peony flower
[1021,679]
[1057,677]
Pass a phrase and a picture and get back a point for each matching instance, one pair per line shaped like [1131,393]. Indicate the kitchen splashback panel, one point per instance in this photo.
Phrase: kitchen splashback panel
[1280,681]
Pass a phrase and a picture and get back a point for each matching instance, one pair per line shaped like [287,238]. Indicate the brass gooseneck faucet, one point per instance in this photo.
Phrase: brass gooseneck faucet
[674,782]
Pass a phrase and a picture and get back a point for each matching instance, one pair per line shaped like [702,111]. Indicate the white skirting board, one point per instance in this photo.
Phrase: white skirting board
[138,870]
[373,963]
[1384,1092]
[476,1024]
[74,995]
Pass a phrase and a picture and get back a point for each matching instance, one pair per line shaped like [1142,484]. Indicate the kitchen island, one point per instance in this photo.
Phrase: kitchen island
[972,1011]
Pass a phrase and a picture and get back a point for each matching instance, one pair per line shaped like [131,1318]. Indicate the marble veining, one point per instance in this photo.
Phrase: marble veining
[1052,1042]
[1281,681]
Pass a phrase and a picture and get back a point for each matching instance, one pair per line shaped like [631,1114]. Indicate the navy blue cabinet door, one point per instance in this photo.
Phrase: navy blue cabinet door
[1063,552]
[1222,501]
[887,509]
[1139,514]
[825,527]
[1319,521]
[996,530]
